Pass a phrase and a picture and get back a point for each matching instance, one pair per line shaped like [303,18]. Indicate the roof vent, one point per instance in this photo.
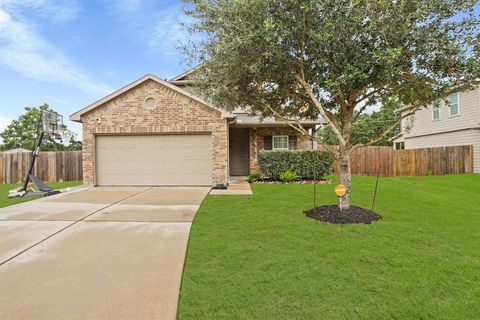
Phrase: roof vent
[150,103]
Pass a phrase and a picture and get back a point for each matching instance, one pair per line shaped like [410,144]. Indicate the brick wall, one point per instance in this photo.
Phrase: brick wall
[256,141]
[173,113]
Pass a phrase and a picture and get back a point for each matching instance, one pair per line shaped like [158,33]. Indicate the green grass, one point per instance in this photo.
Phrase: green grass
[4,188]
[259,257]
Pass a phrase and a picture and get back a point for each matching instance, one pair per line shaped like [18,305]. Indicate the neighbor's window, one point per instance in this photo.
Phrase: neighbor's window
[280,142]
[150,103]
[436,110]
[399,145]
[453,104]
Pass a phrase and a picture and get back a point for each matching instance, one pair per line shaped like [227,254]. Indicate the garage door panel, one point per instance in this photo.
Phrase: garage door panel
[203,166]
[174,141]
[175,167]
[161,165]
[202,154]
[176,154]
[175,179]
[189,153]
[203,178]
[154,160]
[189,166]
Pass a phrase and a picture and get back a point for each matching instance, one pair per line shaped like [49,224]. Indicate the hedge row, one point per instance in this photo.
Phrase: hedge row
[273,163]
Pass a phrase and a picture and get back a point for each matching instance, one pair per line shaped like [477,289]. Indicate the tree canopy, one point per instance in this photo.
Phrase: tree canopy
[23,132]
[368,126]
[299,59]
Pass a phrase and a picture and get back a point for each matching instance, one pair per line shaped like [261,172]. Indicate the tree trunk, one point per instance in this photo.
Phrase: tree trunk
[345,176]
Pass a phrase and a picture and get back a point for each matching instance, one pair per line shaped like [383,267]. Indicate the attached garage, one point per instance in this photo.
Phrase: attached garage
[153,133]
[154,160]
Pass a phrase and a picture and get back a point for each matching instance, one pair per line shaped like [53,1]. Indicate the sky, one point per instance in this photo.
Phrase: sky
[70,53]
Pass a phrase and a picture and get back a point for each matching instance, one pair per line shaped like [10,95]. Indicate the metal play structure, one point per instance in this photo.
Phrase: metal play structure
[50,123]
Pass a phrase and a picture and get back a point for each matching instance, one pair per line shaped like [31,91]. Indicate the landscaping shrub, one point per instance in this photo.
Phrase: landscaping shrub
[254,176]
[273,163]
[288,176]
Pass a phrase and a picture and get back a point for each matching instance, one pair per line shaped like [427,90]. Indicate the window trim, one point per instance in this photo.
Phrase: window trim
[439,111]
[400,145]
[458,105]
[279,136]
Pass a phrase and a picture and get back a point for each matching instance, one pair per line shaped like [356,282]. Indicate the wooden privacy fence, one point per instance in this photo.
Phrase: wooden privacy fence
[50,166]
[67,165]
[412,162]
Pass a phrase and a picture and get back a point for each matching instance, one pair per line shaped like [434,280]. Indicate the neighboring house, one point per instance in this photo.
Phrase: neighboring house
[155,132]
[455,122]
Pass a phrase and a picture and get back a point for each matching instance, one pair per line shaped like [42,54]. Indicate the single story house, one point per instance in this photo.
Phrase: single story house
[156,132]
[454,122]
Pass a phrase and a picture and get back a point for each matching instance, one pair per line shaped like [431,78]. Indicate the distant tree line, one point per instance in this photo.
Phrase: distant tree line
[23,132]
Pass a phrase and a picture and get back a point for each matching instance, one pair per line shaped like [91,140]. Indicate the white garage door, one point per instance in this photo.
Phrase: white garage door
[154,160]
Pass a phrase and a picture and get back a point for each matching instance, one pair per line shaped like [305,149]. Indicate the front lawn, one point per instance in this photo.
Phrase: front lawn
[4,188]
[259,257]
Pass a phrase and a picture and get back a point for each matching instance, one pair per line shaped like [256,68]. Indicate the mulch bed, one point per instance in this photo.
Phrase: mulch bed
[333,214]
[268,181]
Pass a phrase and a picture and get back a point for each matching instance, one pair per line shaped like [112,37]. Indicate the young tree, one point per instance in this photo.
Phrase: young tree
[23,132]
[299,59]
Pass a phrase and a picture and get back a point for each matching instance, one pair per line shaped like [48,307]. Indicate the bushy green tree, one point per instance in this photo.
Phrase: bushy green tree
[301,59]
[368,126]
[23,132]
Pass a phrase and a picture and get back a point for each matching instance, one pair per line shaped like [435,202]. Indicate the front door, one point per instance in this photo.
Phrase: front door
[239,152]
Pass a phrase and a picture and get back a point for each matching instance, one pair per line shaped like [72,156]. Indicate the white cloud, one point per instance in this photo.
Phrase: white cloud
[129,5]
[4,122]
[55,99]
[168,33]
[23,50]
[159,28]
[58,11]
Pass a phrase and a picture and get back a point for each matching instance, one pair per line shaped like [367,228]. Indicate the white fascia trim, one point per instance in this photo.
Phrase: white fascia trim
[77,115]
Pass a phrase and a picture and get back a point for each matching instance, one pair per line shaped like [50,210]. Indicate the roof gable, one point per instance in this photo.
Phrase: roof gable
[77,115]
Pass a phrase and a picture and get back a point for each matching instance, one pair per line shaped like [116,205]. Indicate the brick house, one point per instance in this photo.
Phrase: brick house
[156,132]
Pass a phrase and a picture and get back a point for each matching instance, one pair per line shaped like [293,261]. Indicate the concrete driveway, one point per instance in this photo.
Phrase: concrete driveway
[97,253]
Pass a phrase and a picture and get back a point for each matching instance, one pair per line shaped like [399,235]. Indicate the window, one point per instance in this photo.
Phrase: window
[280,142]
[150,103]
[399,145]
[453,104]
[436,110]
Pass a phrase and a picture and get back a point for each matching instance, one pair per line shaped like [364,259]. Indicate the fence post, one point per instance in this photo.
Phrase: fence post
[314,185]
[376,187]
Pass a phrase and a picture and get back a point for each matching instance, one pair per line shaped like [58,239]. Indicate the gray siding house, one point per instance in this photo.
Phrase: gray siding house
[454,123]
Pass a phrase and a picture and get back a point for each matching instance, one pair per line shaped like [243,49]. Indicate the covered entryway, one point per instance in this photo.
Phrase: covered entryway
[239,151]
[154,160]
